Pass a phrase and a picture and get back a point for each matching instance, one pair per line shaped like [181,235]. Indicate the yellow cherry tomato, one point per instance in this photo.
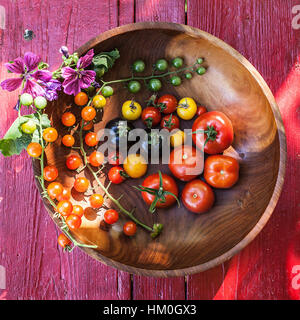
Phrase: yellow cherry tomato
[131,110]
[187,108]
[99,101]
[135,165]
[177,138]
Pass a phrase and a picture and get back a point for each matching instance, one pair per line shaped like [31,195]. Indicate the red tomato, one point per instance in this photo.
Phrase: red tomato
[50,173]
[116,175]
[218,132]
[169,185]
[186,162]
[170,122]
[111,216]
[221,171]
[54,189]
[129,228]
[73,221]
[91,139]
[73,162]
[201,110]
[151,116]
[63,241]
[197,196]
[167,103]
[81,184]
[115,158]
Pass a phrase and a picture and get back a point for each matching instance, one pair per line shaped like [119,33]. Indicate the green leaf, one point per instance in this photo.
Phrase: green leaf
[105,60]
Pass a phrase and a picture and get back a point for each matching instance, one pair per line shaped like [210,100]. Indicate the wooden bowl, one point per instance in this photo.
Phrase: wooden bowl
[190,243]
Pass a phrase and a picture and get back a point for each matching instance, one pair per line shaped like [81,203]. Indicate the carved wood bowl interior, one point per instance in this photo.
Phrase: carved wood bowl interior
[189,243]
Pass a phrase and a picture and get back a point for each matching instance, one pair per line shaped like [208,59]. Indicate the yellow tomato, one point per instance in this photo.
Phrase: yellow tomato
[131,110]
[135,165]
[177,138]
[187,108]
[99,101]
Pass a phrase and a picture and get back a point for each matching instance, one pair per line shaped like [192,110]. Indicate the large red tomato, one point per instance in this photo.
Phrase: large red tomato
[167,103]
[221,171]
[197,196]
[186,162]
[217,129]
[159,192]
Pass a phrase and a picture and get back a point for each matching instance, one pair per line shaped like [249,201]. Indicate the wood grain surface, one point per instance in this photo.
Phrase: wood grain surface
[36,268]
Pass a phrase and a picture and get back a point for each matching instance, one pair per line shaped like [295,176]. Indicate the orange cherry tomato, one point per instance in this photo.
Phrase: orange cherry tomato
[88,126]
[81,184]
[65,208]
[54,189]
[91,139]
[68,119]
[96,158]
[50,134]
[50,173]
[34,149]
[81,99]
[73,162]
[129,228]
[64,241]
[197,196]
[221,171]
[96,200]
[68,140]
[73,222]
[78,210]
[88,113]
[65,195]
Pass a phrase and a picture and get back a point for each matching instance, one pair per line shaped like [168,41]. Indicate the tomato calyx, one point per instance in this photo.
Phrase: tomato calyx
[169,123]
[149,122]
[183,105]
[211,134]
[160,193]
[152,101]
[157,229]
[132,106]
[124,175]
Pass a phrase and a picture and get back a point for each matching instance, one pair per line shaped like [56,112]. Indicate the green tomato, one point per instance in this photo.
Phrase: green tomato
[28,127]
[26,99]
[201,70]
[107,91]
[138,66]
[134,86]
[161,65]
[99,72]
[154,85]
[188,75]
[177,62]
[175,81]
[40,102]
[200,60]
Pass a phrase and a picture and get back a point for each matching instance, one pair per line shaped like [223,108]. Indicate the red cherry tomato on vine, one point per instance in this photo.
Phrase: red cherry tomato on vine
[96,200]
[73,162]
[186,162]
[111,216]
[217,129]
[73,221]
[63,240]
[116,175]
[68,140]
[91,139]
[54,189]
[151,116]
[81,184]
[167,103]
[129,228]
[34,149]
[65,208]
[200,110]
[221,171]
[197,196]
[68,119]
[65,195]
[170,122]
[50,173]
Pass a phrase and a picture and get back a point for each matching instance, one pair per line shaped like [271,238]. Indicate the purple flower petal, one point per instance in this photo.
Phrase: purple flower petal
[16,67]
[68,72]
[72,86]
[53,84]
[11,84]
[31,61]
[33,88]
[42,75]
[87,77]
[86,60]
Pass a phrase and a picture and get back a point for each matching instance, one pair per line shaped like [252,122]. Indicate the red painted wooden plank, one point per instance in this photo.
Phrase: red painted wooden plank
[36,268]
[143,287]
[262,31]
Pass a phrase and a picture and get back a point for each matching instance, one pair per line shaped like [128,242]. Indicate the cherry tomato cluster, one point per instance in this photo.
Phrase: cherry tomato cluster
[185,163]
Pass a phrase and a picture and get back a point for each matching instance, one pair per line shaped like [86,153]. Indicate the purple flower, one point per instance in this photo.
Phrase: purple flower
[78,78]
[64,51]
[51,88]
[29,76]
